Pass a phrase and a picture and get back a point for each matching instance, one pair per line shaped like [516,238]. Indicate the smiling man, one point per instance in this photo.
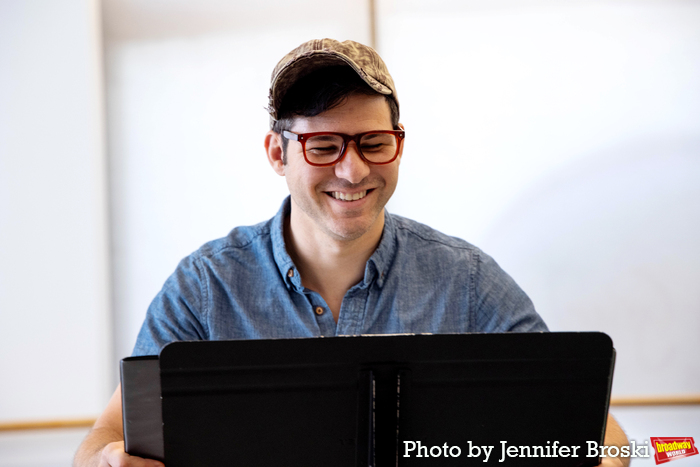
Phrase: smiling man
[341,170]
[332,261]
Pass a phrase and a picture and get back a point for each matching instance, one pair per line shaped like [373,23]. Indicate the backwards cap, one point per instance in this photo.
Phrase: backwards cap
[320,53]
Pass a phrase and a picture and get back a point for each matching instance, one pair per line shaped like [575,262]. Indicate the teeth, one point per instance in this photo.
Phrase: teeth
[348,196]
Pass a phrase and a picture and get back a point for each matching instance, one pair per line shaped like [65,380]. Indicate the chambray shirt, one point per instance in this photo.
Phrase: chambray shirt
[245,286]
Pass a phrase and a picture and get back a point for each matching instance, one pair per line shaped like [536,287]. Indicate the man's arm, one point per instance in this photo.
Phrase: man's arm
[104,445]
[614,436]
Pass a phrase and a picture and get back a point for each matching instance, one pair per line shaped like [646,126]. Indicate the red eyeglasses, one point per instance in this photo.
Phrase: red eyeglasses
[324,148]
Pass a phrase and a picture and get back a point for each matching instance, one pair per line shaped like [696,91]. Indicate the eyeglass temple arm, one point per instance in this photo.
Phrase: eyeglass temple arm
[290,135]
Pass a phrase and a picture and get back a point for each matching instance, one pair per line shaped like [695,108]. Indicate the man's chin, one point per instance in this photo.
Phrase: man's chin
[338,223]
[347,234]
[349,229]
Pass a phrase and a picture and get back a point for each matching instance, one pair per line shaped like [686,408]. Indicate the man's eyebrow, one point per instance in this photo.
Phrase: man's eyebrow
[326,137]
[373,135]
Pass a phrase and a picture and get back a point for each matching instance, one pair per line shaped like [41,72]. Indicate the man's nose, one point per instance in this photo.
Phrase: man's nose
[352,167]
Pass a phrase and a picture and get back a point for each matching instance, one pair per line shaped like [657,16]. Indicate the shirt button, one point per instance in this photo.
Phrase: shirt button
[290,273]
[319,310]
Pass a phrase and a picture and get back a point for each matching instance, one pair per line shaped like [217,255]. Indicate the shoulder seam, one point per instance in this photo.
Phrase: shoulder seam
[229,245]
[436,240]
[472,289]
[203,294]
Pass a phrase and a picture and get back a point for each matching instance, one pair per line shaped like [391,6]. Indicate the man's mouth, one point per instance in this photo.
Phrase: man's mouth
[348,196]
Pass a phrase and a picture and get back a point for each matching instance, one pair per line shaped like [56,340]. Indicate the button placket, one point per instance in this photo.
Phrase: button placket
[321,313]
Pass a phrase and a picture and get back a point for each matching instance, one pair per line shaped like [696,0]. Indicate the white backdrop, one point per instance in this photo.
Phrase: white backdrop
[54,271]
[564,139]
[186,117]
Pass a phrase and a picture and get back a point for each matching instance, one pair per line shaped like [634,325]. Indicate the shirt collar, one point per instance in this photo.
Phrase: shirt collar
[286,267]
[377,266]
[384,254]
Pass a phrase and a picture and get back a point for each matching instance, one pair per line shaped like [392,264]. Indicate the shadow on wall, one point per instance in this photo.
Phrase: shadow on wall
[611,242]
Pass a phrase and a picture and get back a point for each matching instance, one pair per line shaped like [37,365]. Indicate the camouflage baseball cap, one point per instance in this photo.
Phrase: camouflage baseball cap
[320,53]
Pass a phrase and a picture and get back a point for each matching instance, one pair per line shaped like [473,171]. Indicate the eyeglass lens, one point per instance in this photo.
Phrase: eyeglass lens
[375,147]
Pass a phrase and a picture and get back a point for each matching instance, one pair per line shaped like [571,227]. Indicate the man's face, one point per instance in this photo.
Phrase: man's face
[316,191]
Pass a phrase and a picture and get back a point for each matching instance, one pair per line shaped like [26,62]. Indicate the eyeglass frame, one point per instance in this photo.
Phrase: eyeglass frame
[303,137]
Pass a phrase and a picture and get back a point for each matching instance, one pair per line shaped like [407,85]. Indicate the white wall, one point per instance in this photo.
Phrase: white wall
[186,120]
[563,139]
[40,448]
[54,299]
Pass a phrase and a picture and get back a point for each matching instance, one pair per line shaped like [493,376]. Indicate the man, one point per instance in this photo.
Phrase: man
[332,261]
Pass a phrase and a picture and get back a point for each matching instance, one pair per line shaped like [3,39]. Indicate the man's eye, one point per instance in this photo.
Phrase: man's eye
[330,149]
[372,147]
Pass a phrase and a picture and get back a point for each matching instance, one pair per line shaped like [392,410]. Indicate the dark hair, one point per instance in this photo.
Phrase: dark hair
[323,90]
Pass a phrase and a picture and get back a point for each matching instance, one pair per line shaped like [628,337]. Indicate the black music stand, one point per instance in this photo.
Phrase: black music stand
[355,401]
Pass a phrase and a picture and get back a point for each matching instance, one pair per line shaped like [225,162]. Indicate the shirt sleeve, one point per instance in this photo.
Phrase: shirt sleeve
[177,313]
[500,304]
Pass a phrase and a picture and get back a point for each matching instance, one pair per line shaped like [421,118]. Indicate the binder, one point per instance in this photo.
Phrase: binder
[141,407]
[362,401]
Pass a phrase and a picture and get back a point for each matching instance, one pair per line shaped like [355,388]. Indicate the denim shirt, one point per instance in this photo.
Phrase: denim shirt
[418,280]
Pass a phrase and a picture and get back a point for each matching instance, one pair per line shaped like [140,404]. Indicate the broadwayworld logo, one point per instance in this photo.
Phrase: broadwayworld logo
[668,449]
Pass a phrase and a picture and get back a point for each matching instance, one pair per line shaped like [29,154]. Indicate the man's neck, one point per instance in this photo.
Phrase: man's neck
[328,265]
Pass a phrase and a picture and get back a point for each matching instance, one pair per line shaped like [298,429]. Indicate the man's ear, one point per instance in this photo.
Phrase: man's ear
[275,153]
